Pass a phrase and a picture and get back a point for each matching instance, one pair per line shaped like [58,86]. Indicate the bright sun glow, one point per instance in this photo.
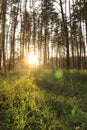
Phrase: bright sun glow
[33,59]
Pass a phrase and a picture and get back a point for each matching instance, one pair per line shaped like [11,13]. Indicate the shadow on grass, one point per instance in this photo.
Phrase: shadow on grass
[68,84]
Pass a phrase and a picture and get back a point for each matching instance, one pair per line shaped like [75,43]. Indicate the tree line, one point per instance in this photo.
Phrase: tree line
[54,29]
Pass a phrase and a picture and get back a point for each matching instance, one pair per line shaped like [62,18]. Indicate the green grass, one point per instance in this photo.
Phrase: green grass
[43,100]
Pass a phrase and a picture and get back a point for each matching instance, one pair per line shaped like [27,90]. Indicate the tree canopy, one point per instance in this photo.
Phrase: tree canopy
[55,31]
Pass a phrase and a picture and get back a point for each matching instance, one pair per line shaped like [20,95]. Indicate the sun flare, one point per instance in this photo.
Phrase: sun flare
[33,59]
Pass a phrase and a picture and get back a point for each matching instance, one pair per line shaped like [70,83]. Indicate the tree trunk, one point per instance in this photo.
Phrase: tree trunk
[4,6]
[85,16]
[66,35]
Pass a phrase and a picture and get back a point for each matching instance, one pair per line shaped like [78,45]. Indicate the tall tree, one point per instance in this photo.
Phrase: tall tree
[65,34]
[14,15]
[3,13]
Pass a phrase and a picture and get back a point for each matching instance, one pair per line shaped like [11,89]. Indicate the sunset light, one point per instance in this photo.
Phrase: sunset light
[33,59]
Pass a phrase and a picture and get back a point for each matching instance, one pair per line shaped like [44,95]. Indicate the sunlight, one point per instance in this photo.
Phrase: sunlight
[33,59]
[59,74]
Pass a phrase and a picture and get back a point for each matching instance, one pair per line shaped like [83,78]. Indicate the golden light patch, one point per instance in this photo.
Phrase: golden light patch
[32,59]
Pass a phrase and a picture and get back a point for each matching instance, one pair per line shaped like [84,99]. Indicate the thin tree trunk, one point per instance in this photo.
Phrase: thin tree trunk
[4,6]
[85,16]
[66,35]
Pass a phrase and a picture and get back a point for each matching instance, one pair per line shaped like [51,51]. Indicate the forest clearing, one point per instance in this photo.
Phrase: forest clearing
[43,100]
[43,64]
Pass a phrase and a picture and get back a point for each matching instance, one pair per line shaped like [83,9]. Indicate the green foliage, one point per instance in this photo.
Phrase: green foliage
[41,101]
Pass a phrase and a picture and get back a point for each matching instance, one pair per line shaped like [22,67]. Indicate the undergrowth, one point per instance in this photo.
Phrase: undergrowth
[43,100]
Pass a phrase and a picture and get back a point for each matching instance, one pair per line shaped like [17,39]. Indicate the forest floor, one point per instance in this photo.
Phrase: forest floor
[43,100]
